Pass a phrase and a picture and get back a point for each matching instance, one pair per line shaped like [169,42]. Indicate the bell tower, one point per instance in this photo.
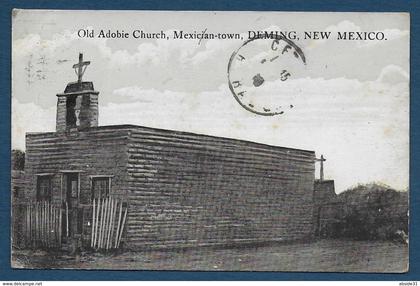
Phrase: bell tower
[77,106]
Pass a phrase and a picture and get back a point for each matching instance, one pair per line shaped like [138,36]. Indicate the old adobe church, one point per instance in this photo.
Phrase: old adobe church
[181,189]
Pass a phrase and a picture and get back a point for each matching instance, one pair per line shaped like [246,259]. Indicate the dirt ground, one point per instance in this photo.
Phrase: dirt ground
[319,256]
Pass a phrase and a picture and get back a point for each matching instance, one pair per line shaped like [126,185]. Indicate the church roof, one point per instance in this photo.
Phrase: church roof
[171,133]
[79,86]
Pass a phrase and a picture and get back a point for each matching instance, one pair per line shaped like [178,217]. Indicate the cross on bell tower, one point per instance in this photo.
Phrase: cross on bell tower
[80,67]
[321,171]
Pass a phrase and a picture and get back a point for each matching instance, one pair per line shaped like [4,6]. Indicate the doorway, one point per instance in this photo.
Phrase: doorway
[71,204]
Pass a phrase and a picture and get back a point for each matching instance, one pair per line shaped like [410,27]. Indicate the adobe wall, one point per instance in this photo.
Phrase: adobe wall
[191,190]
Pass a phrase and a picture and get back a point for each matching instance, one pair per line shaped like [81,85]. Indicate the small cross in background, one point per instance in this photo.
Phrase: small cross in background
[321,172]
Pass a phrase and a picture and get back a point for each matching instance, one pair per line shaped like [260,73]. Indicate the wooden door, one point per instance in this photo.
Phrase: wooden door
[72,203]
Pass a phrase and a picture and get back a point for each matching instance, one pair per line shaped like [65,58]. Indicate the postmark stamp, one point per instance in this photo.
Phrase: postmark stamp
[258,70]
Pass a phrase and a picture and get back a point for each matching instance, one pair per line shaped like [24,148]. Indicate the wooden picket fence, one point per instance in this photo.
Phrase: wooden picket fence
[108,221]
[42,226]
[44,222]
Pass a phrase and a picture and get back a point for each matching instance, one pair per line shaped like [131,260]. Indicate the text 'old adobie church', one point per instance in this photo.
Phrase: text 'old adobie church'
[160,188]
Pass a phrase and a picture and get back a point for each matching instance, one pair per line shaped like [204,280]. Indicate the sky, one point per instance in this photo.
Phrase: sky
[350,100]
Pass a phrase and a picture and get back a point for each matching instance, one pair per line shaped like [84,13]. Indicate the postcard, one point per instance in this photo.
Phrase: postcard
[210,141]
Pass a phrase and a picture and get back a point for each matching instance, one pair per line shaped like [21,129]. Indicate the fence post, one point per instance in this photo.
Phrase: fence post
[60,218]
[106,222]
[122,227]
[27,226]
[98,209]
[93,223]
[48,224]
[111,228]
[118,227]
[36,223]
[100,226]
